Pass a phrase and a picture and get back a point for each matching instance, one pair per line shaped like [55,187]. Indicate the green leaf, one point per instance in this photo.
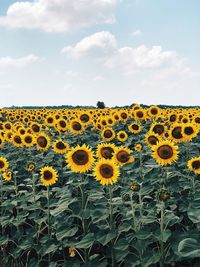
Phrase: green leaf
[194,214]
[86,242]
[189,247]
[105,237]
[64,232]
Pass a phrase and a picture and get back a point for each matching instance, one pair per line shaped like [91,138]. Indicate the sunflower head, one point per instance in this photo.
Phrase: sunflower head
[48,176]
[165,152]
[3,164]
[80,158]
[122,136]
[105,150]
[106,171]
[138,147]
[60,147]
[42,141]
[194,165]
[30,166]
[122,156]
[108,134]
[7,175]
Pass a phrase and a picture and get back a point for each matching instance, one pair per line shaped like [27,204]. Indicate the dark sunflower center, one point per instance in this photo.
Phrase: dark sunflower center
[106,171]
[35,128]
[104,122]
[28,139]
[18,139]
[80,157]
[62,124]
[42,141]
[8,126]
[22,131]
[107,152]
[48,175]
[50,120]
[60,145]
[135,127]
[122,156]
[188,130]
[196,164]
[122,135]
[153,140]
[108,133]
[140,114]
[84,118]
[124,116]
[159,129]
[172,118]
[2,164]
[197,120]
[165,152]
[76,126]
[176,132]
[154,111]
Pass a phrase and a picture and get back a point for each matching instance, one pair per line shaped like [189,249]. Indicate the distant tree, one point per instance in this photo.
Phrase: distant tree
[100,104]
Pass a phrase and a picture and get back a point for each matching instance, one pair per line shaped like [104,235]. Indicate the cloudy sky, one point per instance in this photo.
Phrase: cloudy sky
[56,52]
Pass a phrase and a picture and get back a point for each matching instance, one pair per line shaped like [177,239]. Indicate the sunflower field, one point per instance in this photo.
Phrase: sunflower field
[100,187]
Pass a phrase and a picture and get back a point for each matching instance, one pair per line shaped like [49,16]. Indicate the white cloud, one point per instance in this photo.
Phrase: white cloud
[59,15]
[136,33]
[97,44]
[98,78]
[18,62]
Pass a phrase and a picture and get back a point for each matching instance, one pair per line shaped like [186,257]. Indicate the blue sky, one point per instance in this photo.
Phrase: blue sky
[55,52]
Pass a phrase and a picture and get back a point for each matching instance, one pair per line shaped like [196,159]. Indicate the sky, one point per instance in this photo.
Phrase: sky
[64,52]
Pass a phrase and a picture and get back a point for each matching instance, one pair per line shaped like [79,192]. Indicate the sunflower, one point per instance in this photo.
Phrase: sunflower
[154,111]
[35,127]
[85,118]
[7,175]
[76,126]
[28,140]
[138,147]
[122,136]
[30,166]
[122,156]
[105,150]
[194,165]
[61,124]
[140,114]
[1,141]
[42,141]
[152,139]
[189,131]
[48,176]
[175,133]
[3,164]
[108,134]
[80,158]
[165,152]
[17,140]
[158,128]
[135,128]
[60,147]
[106,171]
[49,120]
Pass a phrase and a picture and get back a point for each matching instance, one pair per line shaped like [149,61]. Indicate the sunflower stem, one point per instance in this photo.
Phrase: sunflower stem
[33,182]
[111,222]
[48,217]
[162,256]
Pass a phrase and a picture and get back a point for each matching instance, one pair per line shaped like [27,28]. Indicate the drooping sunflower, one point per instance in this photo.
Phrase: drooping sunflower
[30,166]
[106,171]
[108,134]
[3,164]
[80,158]
[42,141]
[122,136]
[28,140]
[194,165]
[48,176]
[60,147]
[135,128]
[105,150]
[165,152]
[123,156]
[138,147]
[7,175]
